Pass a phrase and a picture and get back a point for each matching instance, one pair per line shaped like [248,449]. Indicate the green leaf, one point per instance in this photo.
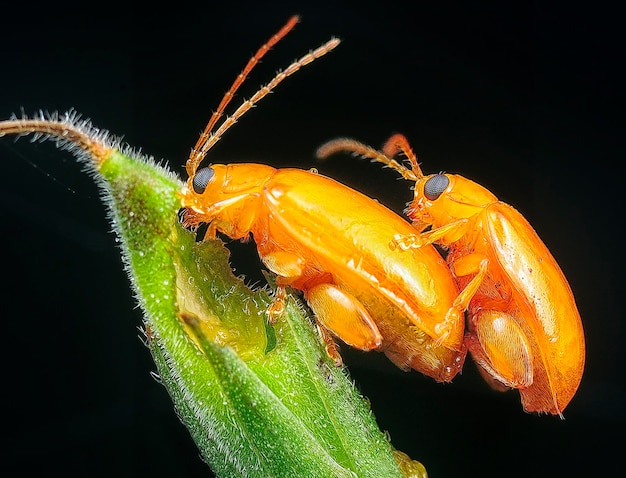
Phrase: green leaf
[259,400]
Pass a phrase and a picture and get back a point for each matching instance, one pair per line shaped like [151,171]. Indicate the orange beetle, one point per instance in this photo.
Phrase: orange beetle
[524,329]
[331,242]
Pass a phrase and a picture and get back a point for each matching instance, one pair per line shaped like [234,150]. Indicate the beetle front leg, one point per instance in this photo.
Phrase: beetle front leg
[236,227]
[445,235]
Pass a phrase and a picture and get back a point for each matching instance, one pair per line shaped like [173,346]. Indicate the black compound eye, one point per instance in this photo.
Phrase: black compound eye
[201,179]
[435,186]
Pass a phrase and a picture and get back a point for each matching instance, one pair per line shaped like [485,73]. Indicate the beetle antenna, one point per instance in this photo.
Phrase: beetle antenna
[366,152]
[398,143]
[208,138]
[197,153]
[265,90]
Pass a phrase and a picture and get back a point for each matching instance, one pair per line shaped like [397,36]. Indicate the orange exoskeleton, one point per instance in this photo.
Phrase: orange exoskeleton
[332,243]
[524,329]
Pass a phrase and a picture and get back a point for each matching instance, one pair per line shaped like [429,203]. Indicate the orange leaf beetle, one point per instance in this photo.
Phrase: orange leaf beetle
[331,242]
[524,329]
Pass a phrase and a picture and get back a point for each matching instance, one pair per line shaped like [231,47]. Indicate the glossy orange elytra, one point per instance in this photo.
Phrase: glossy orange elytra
[332,243]
[524,329]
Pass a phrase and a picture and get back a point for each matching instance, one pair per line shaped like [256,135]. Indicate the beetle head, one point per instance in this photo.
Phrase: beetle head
[442,198]
[226,194]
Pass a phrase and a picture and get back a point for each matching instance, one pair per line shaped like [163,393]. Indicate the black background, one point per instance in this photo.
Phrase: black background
[523,99]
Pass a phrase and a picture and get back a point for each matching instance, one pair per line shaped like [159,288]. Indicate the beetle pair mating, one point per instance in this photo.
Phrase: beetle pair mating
[376,281]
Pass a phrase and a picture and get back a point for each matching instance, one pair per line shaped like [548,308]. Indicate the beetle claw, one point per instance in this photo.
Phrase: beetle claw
[405,242]
[277,307]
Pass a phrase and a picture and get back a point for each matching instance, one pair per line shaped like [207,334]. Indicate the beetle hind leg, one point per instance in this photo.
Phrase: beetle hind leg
[344,316]
[500,346]
[331,346]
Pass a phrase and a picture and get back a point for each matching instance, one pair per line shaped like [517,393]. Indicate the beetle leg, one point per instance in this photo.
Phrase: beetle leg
[498,344]
[462,301]
[277,307]
[466,265]
[288,267]
[211,210]
[335,310]
[331,346]
[343,315]
[445,235]
[284,264]
[211,231]
[197,212]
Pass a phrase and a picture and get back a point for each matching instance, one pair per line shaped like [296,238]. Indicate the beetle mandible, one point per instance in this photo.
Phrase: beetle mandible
[524,329]
[331,242]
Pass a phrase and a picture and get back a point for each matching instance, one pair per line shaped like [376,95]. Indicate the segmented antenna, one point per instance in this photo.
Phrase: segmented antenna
[208,138]
[398,143]
[394,145]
